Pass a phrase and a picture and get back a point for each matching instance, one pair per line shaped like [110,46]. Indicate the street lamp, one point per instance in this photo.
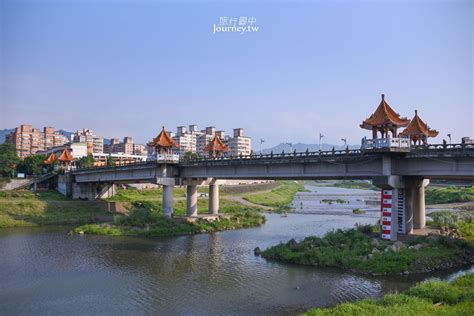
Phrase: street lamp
[345,142]
[320,137]
[261,142]
[291,146]
[449,135]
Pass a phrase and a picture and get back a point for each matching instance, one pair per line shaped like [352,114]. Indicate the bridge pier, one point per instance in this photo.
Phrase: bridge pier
[191,200]
[167,201]
[214,198]
[415,200]
[402,204]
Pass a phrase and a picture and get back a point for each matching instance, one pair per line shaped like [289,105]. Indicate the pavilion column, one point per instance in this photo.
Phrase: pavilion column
[191,200]
[214,199]
[168,201]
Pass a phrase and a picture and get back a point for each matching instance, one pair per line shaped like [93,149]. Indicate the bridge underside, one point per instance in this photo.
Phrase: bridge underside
[401,176]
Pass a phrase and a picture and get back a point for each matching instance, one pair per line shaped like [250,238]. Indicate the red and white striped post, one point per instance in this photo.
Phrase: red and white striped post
[386,212]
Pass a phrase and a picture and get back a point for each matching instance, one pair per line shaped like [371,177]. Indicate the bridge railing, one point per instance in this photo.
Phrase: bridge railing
[386,143]
[328,154]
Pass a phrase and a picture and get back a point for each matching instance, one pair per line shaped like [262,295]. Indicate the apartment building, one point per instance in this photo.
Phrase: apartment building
[29,140]
[239,144]
[87,136]
[127,147]
[191,139]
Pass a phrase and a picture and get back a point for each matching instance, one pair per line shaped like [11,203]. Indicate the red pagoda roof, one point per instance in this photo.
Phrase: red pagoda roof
[65,156]
[384,115]
[419,128]
[216,145]
[51,159]
[162,140]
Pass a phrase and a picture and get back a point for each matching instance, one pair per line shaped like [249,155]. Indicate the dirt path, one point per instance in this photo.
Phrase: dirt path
[242,201]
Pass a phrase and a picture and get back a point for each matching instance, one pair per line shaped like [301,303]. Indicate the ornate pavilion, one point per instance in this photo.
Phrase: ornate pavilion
[418,131]
[215,148]
[384,120]
[163,143]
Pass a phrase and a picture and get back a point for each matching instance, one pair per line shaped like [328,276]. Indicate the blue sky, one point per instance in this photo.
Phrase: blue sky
[129,67]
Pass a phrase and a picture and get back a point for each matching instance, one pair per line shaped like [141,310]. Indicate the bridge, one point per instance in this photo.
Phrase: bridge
[402,176]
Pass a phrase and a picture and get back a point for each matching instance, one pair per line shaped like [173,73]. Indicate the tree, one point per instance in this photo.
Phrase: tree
[8,159]
[86,161]
[110,161]
[189,155]
[32,165]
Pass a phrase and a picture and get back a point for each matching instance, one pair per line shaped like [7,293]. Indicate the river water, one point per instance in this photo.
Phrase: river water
[47,271]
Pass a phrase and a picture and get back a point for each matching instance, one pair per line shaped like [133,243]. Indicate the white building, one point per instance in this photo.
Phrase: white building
[239,144]
[87,136]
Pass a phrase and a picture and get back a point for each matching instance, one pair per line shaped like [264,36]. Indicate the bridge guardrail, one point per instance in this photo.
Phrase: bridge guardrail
[415,149]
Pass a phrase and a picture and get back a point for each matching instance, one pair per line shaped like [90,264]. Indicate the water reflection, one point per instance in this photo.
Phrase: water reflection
[48,271]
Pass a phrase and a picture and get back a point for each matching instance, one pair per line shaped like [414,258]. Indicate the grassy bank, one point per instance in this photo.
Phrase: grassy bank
[25,208]
[145,218]
[279,198]
[449,195]
[427,298]
[146,222]
[360,250]
[348,184]
[455,224]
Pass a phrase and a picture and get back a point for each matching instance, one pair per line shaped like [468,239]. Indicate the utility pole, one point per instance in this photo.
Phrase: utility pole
[320,137]
[345,142]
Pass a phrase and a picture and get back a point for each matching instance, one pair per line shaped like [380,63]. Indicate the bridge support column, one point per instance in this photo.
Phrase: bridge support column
[415,200]
[191,200]
[213,198]
[168,201]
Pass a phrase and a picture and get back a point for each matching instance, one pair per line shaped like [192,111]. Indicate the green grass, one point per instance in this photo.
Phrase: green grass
[279,197]
[460,223]
[146,222]
[347,184]
[426,298]
[449,195]
[331,201]
[25,208]
[358,211]
[353,249]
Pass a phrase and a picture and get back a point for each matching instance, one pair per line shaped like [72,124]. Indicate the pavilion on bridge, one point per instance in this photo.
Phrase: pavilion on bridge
[51,160]
[384,120]
[215,148]
[163,143]
[418,131]
[66,159]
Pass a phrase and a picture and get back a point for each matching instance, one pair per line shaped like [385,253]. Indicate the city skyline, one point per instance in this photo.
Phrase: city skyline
[127,69]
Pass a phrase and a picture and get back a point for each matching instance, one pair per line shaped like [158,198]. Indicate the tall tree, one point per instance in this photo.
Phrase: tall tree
[8,159]
[86,162]
[32,165]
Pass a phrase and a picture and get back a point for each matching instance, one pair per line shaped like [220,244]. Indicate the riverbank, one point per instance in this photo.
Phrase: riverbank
[278,199]
[28,209]
[360,250]
[426,298]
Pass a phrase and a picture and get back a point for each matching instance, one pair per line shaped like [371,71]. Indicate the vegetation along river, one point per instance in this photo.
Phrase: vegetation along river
[45,270]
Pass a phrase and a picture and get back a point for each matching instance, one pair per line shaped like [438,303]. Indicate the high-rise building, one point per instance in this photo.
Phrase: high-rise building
[128,147]
[29,140]
[185,139]
[87,136]
[240,144]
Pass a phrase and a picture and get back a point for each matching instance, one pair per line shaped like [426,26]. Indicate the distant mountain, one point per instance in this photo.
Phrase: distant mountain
[300,147]
[4,133]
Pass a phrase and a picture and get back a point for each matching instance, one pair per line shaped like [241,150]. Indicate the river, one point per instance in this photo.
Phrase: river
[47,271]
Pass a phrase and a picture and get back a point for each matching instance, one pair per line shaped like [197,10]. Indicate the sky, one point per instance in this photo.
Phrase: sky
[126,68]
